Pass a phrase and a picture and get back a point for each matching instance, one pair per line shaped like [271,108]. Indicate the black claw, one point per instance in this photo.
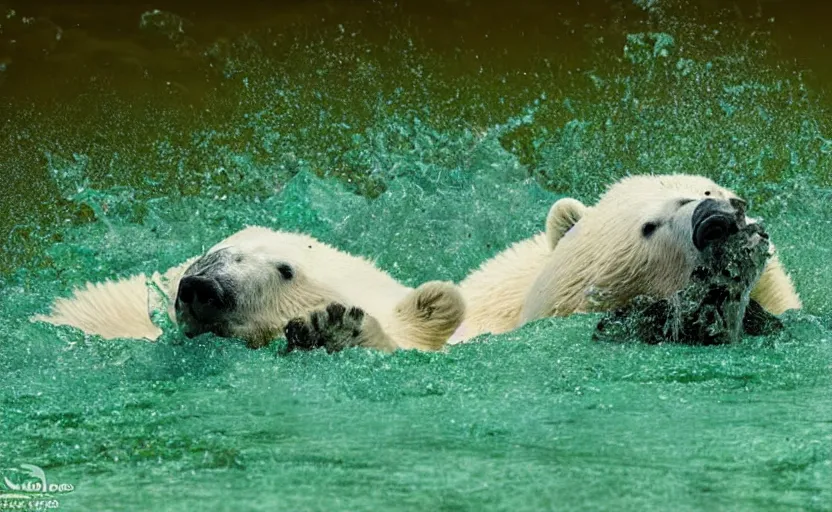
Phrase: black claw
[293,329]
[319,320]
[299,336]
[335,312]
[356,314]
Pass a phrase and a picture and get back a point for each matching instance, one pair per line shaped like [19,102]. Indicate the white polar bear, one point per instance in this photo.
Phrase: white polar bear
[259,284]
[643,237]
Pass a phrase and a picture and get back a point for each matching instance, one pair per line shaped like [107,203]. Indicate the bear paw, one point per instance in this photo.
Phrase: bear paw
[439,303]
[430,314]
[334,328]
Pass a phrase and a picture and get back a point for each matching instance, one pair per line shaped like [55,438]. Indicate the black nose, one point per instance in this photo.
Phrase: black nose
[712,223]
[204,298]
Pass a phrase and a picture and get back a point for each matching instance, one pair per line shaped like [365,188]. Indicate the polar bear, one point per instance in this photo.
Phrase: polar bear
[259,284]
[642,238]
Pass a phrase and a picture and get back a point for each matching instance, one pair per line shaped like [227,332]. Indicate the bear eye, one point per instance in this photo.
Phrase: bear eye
[648,229]
[707,192]
[286,271]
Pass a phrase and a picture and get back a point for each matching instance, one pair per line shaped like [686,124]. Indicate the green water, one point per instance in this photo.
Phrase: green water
[429,136]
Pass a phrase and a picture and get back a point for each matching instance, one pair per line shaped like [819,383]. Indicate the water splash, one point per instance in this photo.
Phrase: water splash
[387,153]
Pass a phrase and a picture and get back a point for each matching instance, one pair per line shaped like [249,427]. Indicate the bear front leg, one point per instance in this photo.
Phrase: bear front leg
[336,328]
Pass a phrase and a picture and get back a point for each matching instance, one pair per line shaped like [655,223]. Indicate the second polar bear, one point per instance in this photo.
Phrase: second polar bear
[258,283]
[643,237]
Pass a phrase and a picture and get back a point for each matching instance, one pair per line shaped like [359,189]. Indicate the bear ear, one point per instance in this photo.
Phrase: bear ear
[563,215]
[286,271]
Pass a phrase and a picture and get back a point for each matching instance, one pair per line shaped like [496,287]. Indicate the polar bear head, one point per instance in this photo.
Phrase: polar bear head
[643,237]
[250,285]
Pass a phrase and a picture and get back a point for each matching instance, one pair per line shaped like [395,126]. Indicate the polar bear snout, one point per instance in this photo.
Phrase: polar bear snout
[201,302]
[198,291]
[714,220]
